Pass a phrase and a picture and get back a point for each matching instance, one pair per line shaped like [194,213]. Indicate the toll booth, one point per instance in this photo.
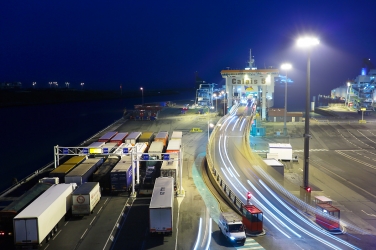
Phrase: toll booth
[252,219]
[328,215]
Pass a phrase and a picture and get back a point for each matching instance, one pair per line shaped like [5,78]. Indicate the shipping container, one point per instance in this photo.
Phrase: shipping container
[85,198]
[121,175]
[176,135]
[83,172]
[170,169]
[62,170]
[163,137]
[132,138]
[119,138]
[39,221]
[103,174]
[161,206]
[10,211]
[146,137]
[107,136]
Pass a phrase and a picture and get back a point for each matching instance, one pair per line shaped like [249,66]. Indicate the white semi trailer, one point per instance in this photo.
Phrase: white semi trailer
[39,221]
[161,206]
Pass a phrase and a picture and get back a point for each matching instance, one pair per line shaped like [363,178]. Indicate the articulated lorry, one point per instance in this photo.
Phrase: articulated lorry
[170,169]
[161,206]
[121,175]
[39,221]
[10,211]
[83,172]
[103,174]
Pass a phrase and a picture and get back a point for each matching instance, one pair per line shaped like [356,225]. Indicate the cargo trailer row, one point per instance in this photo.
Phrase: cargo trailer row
[161,206]
[132,138]
[163,137]
[39,221]
[176,135]
[66,167]
[170,169]
[146,137]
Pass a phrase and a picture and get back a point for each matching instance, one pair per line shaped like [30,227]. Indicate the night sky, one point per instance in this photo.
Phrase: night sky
[161,44]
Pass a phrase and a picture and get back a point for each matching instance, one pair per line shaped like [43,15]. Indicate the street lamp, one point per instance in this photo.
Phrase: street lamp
[286,67]
[142,93]
[216,101]
[82,85]
[307,42]
[34,83]
[67,84]
[348,94]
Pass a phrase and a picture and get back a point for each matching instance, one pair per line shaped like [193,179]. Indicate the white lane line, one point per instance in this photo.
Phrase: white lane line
[83,234]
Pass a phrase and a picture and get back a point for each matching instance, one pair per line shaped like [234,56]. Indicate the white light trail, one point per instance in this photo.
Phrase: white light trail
[199,234]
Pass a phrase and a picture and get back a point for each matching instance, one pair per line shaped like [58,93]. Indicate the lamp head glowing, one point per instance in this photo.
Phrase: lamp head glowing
[286,66]
[307,41]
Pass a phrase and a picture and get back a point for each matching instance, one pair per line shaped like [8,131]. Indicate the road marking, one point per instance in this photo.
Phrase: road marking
[83,233]
[374,215]
[92,220]
[250,244]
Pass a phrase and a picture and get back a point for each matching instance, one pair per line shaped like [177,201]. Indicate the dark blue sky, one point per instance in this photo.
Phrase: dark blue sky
[158,44]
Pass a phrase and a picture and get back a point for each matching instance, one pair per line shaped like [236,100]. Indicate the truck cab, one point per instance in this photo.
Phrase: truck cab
[232,227]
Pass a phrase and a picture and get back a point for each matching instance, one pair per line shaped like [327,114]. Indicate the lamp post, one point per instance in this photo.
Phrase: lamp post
[142,95]
[34,83]
[307,42]
[82,85]
[348,94]
[67,84]
[286,67]
[216,101]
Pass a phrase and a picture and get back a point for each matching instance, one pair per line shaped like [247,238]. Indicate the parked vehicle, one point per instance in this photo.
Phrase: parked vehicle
[85,198]
[119,138]
[161,206]
[146,137]
[14,208]
[121,175]
[170,169]
[39,221]
[176,135]
[62,170]
[83,172]
[231,226]
[148,181]
[132,138]
[163,137]
[107,136]
[155,154]
[174,146]
[103,174]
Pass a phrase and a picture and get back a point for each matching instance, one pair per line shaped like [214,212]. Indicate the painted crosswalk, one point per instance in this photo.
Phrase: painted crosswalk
[250,244]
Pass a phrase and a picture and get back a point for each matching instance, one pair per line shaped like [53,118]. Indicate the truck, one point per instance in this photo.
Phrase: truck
[155,154]
[161,206]
[163,137]
[170,169]
[119,138]
[231,226]
[103,174]
[83,172]
[14,208]
[121,175]
[85,198]
[62,170]
[176,135]
[109,147]
[132,138]
[146,137]
[148,181]
[107,136]
[174,146]
[40,220]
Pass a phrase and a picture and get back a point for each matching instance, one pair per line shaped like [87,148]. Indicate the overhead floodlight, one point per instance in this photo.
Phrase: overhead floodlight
[307,41]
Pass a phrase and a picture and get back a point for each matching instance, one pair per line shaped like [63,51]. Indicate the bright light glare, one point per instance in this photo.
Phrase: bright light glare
[286,66]
[308,41]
